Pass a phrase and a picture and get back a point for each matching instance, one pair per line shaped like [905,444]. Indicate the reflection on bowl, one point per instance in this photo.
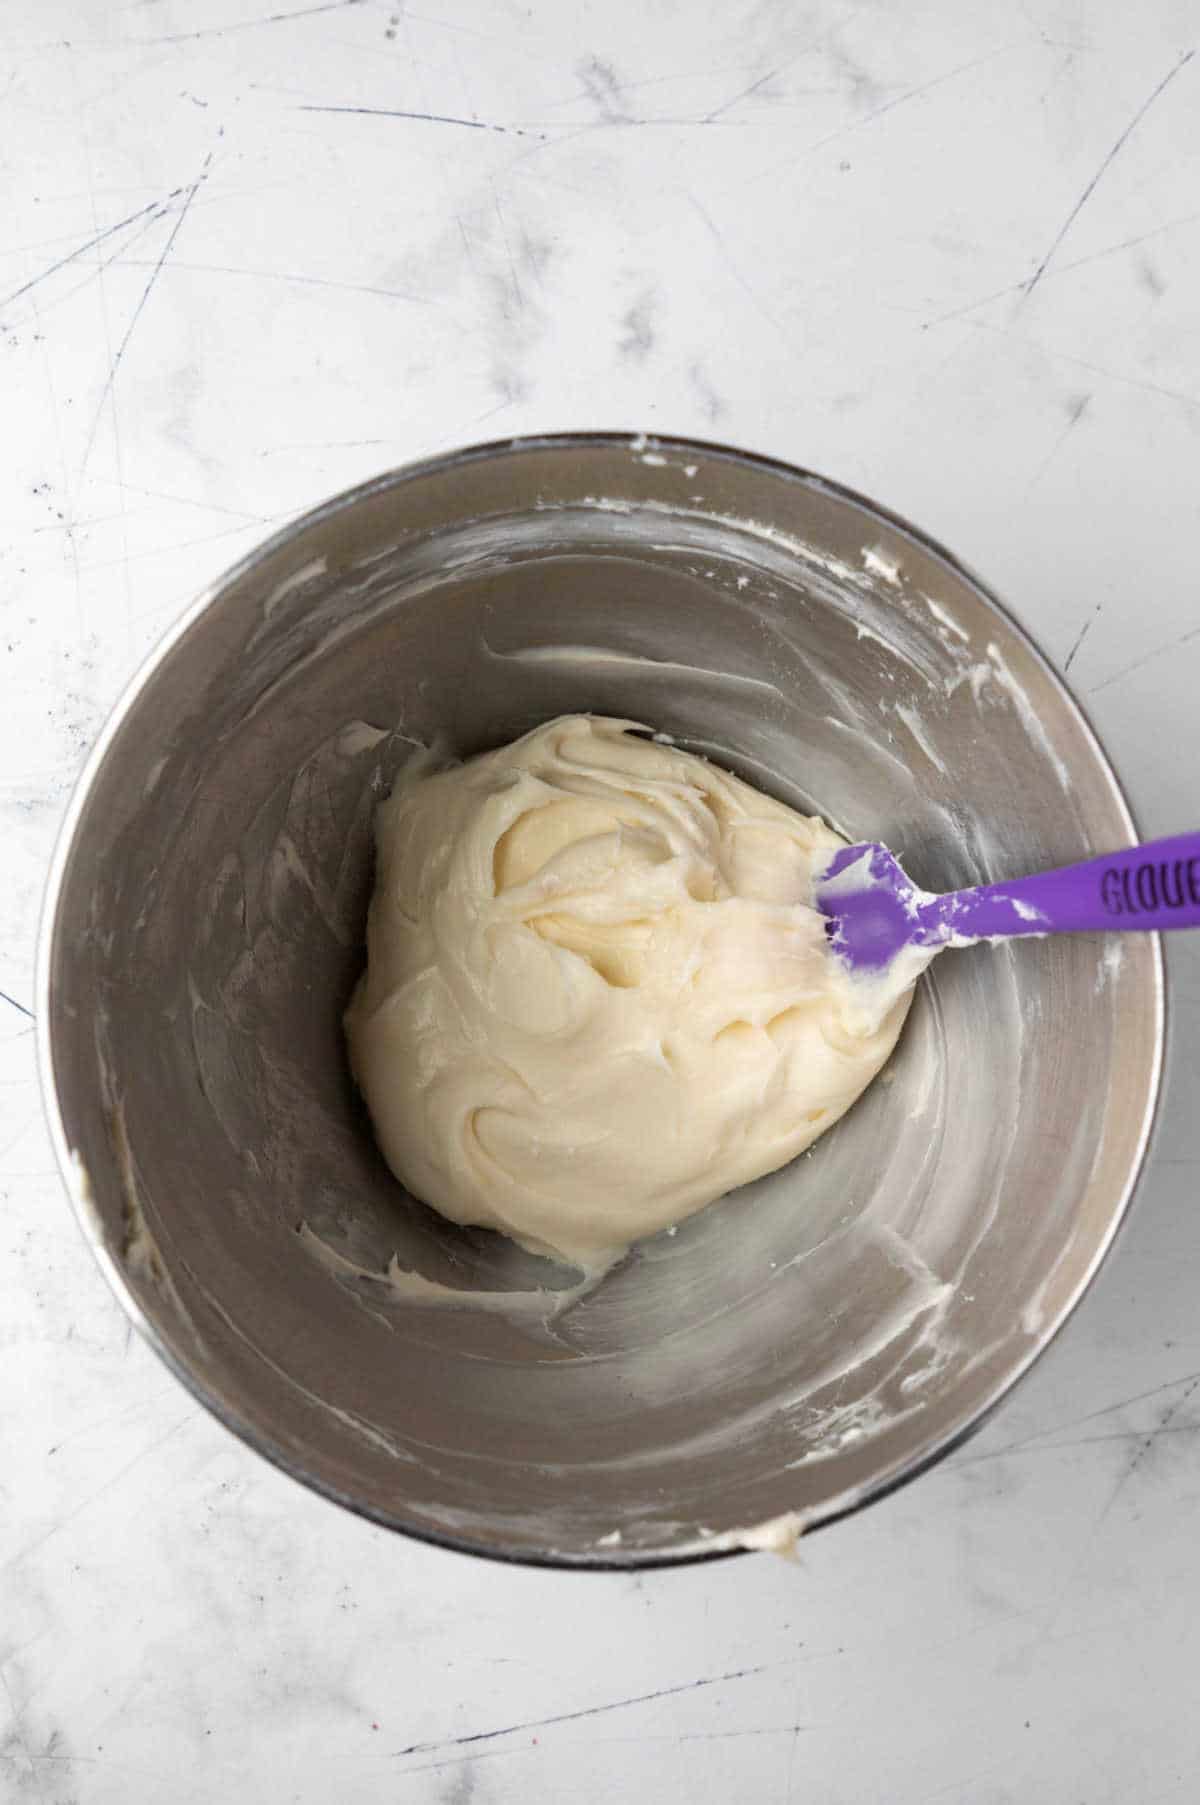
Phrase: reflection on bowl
[790,1352]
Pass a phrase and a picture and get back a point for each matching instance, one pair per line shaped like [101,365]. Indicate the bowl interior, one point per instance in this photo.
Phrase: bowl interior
[796,1347]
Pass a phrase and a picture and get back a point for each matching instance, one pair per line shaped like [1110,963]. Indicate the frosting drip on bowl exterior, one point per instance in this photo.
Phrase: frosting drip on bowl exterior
[598,995]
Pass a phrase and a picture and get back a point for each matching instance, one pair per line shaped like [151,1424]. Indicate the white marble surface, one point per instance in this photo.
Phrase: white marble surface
[948,252]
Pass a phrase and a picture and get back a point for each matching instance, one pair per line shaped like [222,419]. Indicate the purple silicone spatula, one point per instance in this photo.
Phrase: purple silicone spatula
[876,911]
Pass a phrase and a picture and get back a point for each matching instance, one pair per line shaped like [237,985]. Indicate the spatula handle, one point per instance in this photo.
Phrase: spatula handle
[1151,886]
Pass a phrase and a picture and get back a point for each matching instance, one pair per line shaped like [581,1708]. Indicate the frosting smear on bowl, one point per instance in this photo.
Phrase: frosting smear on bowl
[598,995]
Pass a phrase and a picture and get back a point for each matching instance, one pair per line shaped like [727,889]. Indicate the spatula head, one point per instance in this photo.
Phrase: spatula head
[871,904]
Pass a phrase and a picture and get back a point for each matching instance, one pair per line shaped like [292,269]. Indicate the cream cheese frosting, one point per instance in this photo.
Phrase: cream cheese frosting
[598,995]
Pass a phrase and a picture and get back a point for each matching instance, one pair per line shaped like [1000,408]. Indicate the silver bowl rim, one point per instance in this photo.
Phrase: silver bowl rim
[616,1560]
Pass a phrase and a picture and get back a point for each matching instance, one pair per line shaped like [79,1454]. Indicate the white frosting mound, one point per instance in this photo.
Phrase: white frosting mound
[597,994]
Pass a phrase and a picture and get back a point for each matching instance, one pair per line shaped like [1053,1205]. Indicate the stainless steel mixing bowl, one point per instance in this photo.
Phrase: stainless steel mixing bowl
[791,1352]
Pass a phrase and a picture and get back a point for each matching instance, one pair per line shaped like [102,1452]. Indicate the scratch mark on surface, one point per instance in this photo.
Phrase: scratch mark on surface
[1116,150]
[1127,670]
[270,275]
[1143,1449]
[23,1554]
[466,31]
[189,197]
[1133,382]
[273,451]
[1117,1435]
[547,143]
[1075,413]
[173,547]
[731,265]
[439,1767]
[1081,636]
[491,412]
[795,1742]
[56,419]
[19,1007]
[1096,1441]
[563,1717]
[1062,269]
[744,93]
[118,458]
[725,1735]
[183,501]
[92,1428]
[515,285]
[1075,1422]
[471,125]
[39,310]
[468,245]
[221,31]
[157,207]
[17,1138]
[1082,363]
[900,100]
